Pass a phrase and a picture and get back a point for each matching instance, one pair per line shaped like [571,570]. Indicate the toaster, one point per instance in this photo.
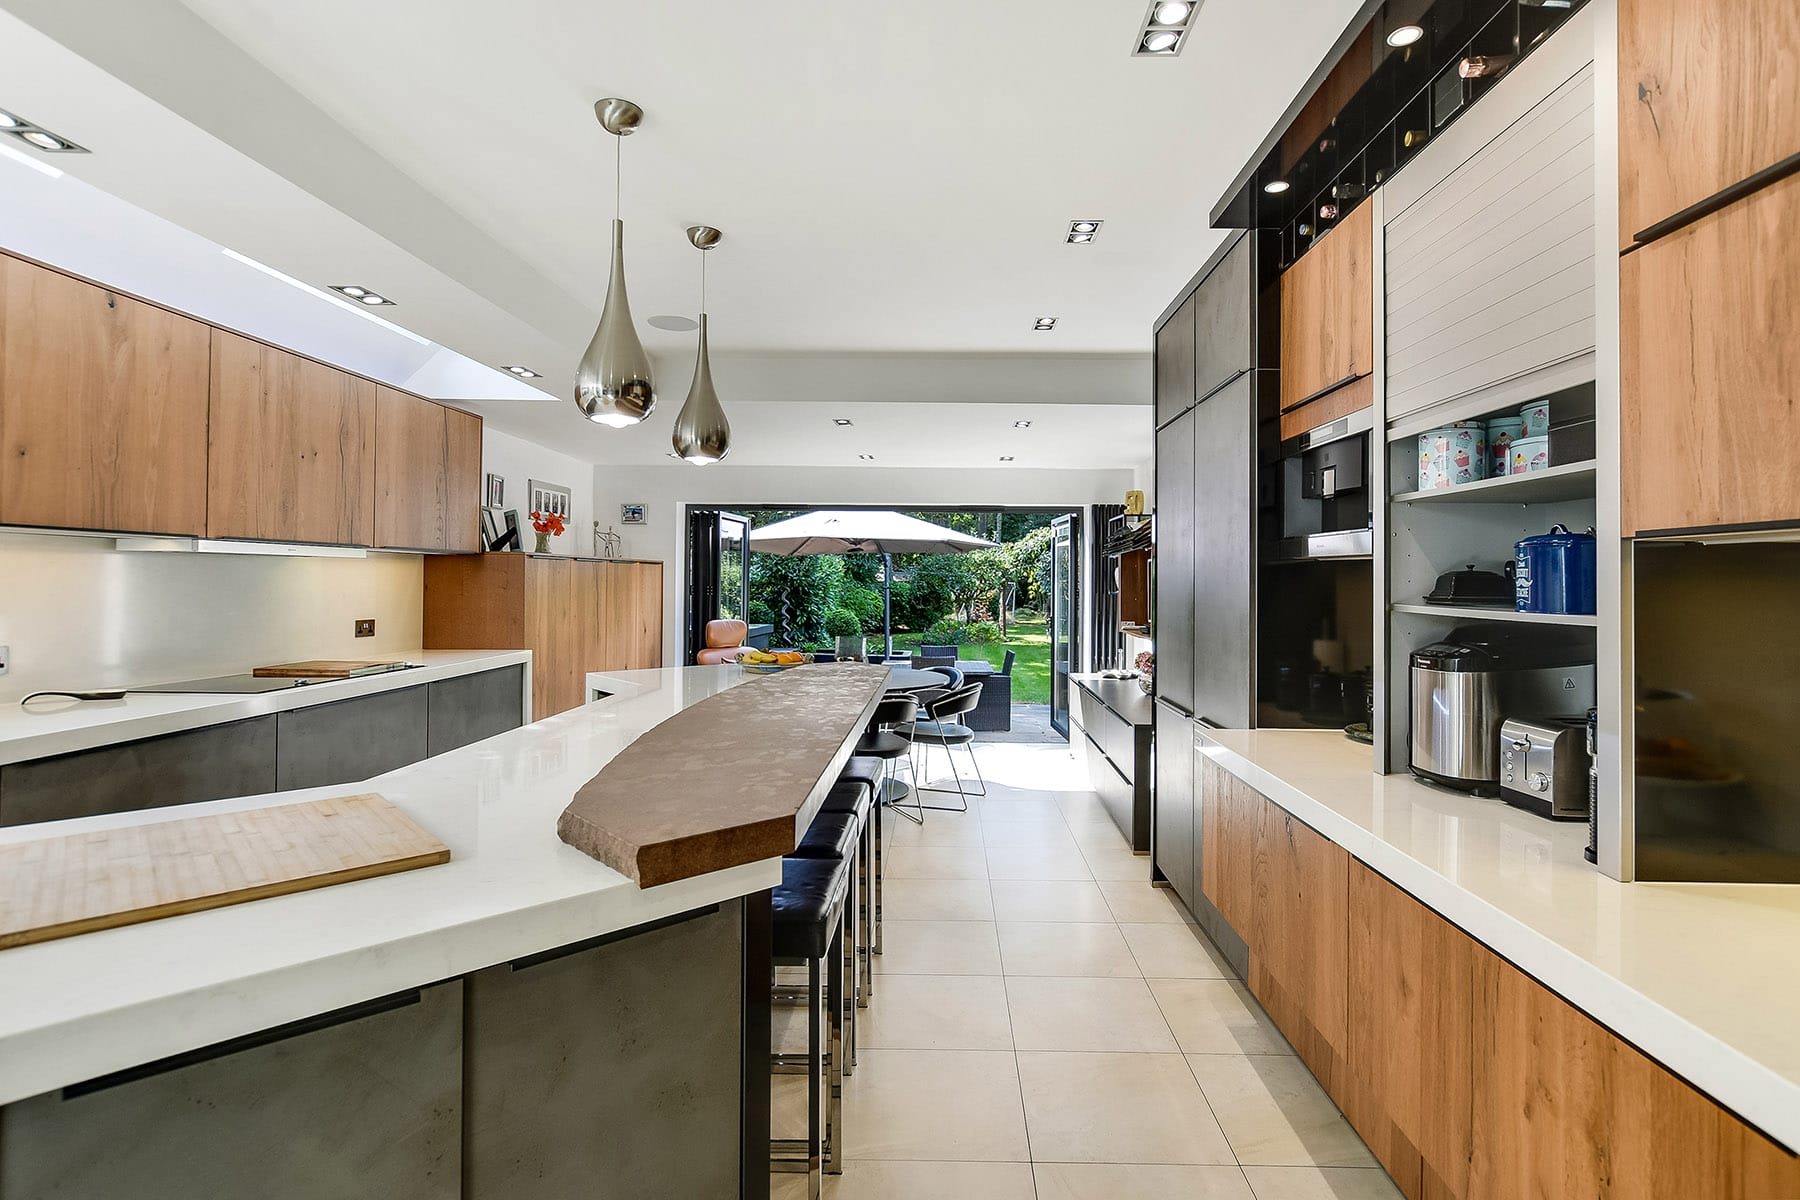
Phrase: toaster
[1544,766]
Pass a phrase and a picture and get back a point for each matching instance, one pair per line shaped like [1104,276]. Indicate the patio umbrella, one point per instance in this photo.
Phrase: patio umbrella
[844,531]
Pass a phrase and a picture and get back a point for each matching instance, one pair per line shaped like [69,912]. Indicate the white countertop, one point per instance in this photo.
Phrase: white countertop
[1704,978]
[51,726]
[84,1006]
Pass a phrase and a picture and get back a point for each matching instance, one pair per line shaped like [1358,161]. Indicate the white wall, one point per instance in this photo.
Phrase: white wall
[519,461]
[77,613]
[665,491]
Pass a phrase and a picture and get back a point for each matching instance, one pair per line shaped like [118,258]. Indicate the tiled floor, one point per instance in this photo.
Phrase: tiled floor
[1046,1024]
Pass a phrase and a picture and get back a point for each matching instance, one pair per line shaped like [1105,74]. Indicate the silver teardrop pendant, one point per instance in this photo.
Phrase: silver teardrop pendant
[702,432]
[614,385]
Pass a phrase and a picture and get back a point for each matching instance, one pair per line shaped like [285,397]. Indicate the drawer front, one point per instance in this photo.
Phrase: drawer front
[203,764]
[472,707]
[351,740]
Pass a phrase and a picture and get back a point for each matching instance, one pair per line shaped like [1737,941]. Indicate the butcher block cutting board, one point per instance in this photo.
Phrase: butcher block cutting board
[327,668]
[56,887]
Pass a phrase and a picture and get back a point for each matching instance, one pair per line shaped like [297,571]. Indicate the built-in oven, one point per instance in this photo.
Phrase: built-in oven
[1325,501]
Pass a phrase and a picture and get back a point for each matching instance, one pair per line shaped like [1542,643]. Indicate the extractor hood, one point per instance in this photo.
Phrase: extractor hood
[191,545]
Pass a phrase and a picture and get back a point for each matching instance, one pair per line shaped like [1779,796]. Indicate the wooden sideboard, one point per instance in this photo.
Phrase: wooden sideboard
[574,614]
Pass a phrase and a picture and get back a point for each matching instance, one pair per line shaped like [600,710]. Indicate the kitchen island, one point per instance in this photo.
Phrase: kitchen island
[434,1011]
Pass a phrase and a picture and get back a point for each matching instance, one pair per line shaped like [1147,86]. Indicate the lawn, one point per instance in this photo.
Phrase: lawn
[1029,640]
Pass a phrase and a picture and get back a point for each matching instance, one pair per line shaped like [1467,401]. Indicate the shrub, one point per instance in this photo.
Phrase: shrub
[918,604]
[982,631]
[797,593]
[841,622]
[864,603]
[946,633]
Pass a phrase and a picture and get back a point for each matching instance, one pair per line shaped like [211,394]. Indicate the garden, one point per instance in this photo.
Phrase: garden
[985,602]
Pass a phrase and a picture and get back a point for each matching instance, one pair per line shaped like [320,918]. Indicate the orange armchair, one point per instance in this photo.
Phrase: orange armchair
[723,641]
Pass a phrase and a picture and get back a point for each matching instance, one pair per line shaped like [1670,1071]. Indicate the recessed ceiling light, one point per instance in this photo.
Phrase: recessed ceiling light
[1171,12]
[37,136]
[1160,41]
[1021,424]
[1006,458]
[1084,226]
[1081,239]
[842,421]
[1045,323]
[866,457]
[44,141]
[360,294]
[1405,35]
[339,300]
[8,121]
[524,372]
[1276,186]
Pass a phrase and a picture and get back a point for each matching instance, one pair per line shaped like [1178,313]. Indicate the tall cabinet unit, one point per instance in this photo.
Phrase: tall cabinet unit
[1216,400]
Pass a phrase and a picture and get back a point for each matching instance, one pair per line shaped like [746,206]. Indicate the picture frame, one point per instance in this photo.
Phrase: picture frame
[632,514]
[493,527]
[496,491]
[550,498]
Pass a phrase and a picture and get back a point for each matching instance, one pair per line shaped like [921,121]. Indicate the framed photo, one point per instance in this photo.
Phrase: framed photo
[496,491]
[550,498]
[631,514]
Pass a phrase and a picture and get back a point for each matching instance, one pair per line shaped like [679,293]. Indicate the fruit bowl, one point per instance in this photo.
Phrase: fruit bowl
[762,662]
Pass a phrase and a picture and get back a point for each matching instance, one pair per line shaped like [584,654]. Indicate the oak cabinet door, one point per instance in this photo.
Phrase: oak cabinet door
[291,449]
[549,630]
[1228,815]
[411,451]
[630,616]
[102,408]
[1706,99]
[1328,311]
[1711,369]
[462,482]
[1298,967]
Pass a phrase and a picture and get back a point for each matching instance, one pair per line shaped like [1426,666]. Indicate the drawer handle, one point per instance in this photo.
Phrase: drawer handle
[1719,199]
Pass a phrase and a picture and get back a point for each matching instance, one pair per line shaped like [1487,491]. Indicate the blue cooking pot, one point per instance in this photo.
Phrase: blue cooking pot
[1555,572]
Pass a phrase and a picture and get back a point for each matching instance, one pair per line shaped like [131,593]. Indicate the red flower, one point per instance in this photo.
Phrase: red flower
[549,523]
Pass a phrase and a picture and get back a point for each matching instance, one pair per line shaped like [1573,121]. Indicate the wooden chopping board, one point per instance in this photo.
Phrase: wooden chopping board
[56,887]
[322,668]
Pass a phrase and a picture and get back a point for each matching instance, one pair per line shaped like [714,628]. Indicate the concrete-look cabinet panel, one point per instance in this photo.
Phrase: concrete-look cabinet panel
[1174,845]
[365,1106]
[609,1072]
[350,740]
[203,764]
[469,708]
[1225,311]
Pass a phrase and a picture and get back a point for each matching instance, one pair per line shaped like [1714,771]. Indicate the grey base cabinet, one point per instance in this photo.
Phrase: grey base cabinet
[1118,755]
[345,741]
[611,1071]
[1175,846]
[368,1106]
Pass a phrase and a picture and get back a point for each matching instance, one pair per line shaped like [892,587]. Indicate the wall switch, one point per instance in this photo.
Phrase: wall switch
[5,660]
[366,628]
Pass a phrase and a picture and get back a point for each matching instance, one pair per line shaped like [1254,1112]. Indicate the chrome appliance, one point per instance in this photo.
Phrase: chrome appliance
[1544,766]
[1465,686]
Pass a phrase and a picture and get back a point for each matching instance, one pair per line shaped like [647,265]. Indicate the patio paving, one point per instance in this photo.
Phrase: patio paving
[1030,723]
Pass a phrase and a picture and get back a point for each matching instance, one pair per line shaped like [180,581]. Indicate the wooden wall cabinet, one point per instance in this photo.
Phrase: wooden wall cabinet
[1327,311]
[102,408]
[574,615]
[427,474]
[1711,369]
[291,451]
[1706,98]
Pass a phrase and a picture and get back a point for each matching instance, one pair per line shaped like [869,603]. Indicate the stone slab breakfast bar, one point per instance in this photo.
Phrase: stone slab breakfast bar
[576,1003]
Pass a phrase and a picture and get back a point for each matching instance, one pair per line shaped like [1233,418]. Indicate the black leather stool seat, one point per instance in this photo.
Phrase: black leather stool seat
[845,797]
[862,769]
[831,835]
[808,904]
[882,745]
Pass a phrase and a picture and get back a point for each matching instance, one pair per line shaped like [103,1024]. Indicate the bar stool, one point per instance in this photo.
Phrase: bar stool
[840,834]
[809,910]
[856,797]
[871,771]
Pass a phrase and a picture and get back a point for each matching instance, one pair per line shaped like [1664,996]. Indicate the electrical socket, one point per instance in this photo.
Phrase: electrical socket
[366,628]
[5,659]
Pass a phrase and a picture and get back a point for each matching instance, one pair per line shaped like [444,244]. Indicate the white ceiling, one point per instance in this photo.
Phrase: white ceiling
[894,179]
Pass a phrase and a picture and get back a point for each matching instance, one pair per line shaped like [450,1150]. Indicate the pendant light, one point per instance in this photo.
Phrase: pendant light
[702,434]
[613,385]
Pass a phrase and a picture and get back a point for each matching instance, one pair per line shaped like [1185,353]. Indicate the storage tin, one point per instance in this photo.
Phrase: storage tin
[1452,455]
[1530,454]
[1555,572]
[1536,416]
[1502,433]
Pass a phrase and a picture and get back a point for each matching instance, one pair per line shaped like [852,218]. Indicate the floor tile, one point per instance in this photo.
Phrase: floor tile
[1320,1183]
[934,862]
[1098,833]
[1274,1112]
[939,829]
[1112,1181]
[1086,1014]
[1172,950]
[1012,805]
[1026,831]
[1119,1108]
[1048,900]
[1065,948]
[869,1179]
[1054,861]
[946,1105]
[1142,903]
[937,947]
[934,900]
[938,1012]
[1216,1016]
[1117,863]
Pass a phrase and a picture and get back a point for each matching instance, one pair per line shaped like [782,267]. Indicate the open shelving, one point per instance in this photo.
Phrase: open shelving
[1572,481]
[1456,612]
